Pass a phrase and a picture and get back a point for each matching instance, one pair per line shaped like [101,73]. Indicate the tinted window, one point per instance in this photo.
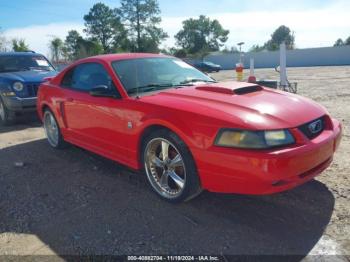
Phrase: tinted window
[15,63]
[135,73]
[84,77]
[67,79]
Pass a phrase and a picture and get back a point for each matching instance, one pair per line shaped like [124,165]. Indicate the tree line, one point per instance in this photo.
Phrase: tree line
[134,26]
[281,34]
[341,42]
[17,45]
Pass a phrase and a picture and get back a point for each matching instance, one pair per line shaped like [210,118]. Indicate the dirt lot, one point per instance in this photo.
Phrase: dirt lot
[74,202]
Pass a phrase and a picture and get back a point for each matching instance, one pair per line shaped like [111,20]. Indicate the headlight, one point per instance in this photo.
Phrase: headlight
[253,139]
[18,86]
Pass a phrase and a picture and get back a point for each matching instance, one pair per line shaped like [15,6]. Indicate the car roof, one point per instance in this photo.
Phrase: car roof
[29,53]
[124,56]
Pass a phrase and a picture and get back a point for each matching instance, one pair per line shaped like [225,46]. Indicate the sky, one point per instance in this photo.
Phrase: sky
[316,23]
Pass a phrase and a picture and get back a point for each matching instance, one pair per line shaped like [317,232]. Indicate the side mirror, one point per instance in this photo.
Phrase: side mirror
[103,91]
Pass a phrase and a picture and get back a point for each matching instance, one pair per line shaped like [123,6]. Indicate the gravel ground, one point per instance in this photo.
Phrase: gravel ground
[73,202]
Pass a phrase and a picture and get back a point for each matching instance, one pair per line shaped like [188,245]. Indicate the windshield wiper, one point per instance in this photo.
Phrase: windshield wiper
[154,87]
[149,87]
[194,80]
[38,68]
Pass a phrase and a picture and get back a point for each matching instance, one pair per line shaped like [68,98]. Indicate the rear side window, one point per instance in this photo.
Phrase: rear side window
[84,77]
[67,79]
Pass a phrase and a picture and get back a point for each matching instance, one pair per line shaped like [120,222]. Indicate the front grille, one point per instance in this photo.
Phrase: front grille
[314,128]
[32,89]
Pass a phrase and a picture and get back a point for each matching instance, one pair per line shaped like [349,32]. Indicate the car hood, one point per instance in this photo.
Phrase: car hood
[241,105]
[28,76]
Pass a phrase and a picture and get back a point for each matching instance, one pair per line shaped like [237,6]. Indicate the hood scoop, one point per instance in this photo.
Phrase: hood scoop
[247,90]
[231,91]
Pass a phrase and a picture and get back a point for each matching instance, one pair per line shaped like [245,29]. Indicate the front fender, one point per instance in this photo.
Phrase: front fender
[5,86]
[179,127]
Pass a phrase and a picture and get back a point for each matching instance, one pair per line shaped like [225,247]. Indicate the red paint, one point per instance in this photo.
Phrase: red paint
[196,114]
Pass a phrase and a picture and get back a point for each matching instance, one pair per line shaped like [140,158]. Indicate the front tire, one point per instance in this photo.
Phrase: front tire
[170,167]
[52,131]
[6,118]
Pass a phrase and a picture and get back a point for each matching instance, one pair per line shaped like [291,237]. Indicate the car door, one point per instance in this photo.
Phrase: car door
[95,123]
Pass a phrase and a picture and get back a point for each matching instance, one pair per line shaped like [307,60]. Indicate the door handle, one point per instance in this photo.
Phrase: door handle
[70,99]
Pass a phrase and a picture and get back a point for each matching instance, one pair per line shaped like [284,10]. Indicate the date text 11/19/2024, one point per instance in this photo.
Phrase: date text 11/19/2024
[173,258]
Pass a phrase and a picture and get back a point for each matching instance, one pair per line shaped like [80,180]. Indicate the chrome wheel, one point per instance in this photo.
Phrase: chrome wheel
[51,129]
[2,111]
[165,168]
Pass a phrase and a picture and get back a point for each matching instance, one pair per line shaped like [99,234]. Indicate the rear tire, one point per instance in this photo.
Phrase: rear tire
[52,131]
[6,116]
[170,167]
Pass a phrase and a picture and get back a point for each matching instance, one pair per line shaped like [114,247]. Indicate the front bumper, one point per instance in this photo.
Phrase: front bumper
[17,104]
[230,170]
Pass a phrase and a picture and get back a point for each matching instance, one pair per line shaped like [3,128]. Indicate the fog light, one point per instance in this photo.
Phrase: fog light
[9,94]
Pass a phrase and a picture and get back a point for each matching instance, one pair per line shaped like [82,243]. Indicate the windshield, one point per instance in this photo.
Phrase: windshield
[14,63]
[156,73]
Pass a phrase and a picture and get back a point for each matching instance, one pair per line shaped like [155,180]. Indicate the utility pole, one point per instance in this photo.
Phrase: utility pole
[240,51]
[283,66]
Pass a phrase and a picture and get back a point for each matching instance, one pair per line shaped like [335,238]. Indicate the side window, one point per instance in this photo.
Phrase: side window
[84,77]
[67,79]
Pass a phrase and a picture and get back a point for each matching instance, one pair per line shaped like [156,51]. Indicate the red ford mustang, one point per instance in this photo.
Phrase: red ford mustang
[187,132]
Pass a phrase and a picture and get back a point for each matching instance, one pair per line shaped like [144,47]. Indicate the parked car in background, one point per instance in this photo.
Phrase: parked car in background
[206,66]
[187,132]
[21,73]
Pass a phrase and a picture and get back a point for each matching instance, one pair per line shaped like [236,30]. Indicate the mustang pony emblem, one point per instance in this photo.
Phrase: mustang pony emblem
[315,127]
